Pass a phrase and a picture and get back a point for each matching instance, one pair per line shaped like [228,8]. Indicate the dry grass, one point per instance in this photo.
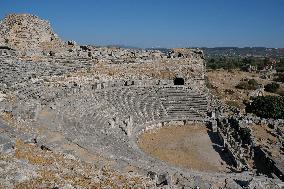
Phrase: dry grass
[56,170]
[224,83]
[7,116]
[32,154]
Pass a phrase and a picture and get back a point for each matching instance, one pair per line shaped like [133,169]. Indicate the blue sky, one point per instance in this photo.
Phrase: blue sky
[160,23]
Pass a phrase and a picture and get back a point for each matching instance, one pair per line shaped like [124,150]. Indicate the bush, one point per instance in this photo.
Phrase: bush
[280,71]
[229,91]
[245,135]
[280,66]
[280,77]
[280,92]
[267,107]
[229,63]
[252,82]
[271,87]
[248,85]
[226,63]
[233,104]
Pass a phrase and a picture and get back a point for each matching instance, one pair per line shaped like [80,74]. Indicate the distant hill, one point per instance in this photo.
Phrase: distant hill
[238,52]
[244,52]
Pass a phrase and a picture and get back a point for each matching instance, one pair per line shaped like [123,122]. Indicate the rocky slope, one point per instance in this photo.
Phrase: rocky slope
[29,35]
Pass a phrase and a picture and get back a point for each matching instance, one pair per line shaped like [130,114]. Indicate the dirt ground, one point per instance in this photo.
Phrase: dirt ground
[223,85]
[265,138]
[186,146]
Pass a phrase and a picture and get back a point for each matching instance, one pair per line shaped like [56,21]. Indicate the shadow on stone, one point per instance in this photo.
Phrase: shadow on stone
[223,153]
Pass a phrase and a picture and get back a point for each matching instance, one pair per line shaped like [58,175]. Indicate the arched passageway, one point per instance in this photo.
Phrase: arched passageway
[178,81]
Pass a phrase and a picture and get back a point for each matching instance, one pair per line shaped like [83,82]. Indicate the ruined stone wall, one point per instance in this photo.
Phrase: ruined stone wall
[28,34]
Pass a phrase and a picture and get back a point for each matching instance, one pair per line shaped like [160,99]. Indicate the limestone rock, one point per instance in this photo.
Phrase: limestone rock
[28,34]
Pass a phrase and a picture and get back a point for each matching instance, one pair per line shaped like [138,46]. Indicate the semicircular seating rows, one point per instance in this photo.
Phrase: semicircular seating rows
[98,119]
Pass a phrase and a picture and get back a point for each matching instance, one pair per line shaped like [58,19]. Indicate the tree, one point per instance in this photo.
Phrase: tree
[271,87]
[250,84]
[267,106]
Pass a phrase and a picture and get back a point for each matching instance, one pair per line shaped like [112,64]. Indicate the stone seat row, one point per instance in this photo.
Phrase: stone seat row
[142,109]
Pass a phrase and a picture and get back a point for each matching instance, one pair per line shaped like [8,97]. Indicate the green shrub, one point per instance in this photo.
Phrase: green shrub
[271,87]
[280,71]
[250,84]
[230,63]
[280,92]
[233,104]
[227,63]
[280,77]
[280,66]
[267,106]
[229,91]
[245,135]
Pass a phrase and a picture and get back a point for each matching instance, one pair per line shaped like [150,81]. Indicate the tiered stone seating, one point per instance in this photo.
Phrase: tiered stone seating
[94,112]
[95,119]
[183,103]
